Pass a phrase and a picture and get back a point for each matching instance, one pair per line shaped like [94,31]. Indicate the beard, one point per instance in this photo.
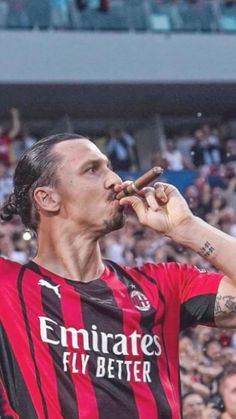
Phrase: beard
[115,223]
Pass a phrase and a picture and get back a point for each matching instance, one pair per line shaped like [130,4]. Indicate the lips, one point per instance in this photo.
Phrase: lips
[112,197]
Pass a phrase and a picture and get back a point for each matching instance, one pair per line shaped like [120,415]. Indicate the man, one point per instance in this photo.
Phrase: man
[227,388]
[86,338]
[194,407]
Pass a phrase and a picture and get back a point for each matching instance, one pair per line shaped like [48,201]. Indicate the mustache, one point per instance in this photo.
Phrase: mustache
[111,196]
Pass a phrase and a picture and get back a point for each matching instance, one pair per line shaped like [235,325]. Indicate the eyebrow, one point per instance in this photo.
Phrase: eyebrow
[95,161]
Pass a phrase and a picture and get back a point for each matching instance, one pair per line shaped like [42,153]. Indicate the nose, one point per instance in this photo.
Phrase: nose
[112,179]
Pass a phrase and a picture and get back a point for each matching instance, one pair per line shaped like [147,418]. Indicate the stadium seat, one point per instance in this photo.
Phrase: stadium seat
[160,22]
[227,23]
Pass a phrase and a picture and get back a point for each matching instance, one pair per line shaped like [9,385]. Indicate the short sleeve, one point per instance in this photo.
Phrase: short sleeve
[197,291]
[189,291]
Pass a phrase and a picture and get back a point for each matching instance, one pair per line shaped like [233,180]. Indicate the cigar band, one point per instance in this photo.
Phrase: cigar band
[125,191]
[135,189]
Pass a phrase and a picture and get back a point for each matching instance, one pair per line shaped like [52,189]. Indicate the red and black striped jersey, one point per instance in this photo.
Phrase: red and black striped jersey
[107,348]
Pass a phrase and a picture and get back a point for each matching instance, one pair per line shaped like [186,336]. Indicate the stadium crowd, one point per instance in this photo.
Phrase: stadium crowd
[183,15]
[207,355]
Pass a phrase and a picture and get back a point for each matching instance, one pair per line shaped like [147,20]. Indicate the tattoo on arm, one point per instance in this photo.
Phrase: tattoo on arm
[225,305]
[207,249]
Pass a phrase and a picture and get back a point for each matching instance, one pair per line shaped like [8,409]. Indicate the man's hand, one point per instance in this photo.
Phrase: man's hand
[211,413]
[161,207]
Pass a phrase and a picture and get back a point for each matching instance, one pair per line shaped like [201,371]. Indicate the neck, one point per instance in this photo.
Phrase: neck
[74,256]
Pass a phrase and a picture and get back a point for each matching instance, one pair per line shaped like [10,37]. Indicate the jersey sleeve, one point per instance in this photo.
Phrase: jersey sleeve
[193,290]
[197,291]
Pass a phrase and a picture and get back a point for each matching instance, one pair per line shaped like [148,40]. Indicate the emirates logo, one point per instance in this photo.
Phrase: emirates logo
[140,301]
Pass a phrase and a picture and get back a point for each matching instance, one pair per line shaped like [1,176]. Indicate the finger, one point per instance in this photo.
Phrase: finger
[137,204]
[149,194]
[119,186]
[160,193]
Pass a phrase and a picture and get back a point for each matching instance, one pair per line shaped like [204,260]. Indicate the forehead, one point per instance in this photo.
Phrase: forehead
[78,151]
[192,398]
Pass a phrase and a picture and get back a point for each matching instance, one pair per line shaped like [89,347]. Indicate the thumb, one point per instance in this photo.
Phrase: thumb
[137,204]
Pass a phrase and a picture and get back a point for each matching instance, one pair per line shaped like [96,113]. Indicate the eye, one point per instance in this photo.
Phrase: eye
[91,169]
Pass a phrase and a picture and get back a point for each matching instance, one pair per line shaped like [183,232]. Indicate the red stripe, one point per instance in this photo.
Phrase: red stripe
[34,309]
[166,324]
[170,328]
[72,315]
[169,384]
[14,326]
[144,399]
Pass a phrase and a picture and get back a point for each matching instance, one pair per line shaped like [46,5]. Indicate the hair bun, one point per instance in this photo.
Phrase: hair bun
[9,209]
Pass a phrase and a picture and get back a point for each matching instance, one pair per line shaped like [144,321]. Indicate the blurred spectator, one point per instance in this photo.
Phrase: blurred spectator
[194,407]
[121,150]
[19,252]
[7,136]
[6,245]
[227,388]
[229,152]
[5,181]
[184,144]
[103,5]
[157,159]
[20,143]
[206,150]
[173,156]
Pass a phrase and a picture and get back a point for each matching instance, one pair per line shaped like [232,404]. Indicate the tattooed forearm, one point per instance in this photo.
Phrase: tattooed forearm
[207,249]
[225,305]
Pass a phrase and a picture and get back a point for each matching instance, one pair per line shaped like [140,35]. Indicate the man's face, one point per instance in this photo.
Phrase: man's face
[193,407]
[229,395]
[86,188]
[214,351]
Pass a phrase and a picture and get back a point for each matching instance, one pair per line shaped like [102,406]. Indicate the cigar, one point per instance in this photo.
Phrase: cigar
[141,182]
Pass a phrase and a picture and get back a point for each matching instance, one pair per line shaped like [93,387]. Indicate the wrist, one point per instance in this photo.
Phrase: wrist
[183,232]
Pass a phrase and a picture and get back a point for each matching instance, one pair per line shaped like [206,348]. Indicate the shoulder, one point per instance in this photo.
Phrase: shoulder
[161,269]
[159,273]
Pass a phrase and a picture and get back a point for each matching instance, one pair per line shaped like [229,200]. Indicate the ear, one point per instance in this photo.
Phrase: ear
[47,199]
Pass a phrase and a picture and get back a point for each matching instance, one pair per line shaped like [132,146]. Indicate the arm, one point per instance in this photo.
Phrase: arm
[194,385]
[220,249]
[16,124]
[165,210]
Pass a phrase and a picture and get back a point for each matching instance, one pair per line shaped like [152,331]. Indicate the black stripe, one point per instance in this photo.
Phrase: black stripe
[27,328]
[65,387]
[162,298]
[13,380]
[146,276]
[115,398]
[147,322]
[198,309]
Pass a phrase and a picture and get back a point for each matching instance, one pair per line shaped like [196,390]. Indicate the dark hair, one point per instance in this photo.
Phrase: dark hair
[36,167]
[191,393]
